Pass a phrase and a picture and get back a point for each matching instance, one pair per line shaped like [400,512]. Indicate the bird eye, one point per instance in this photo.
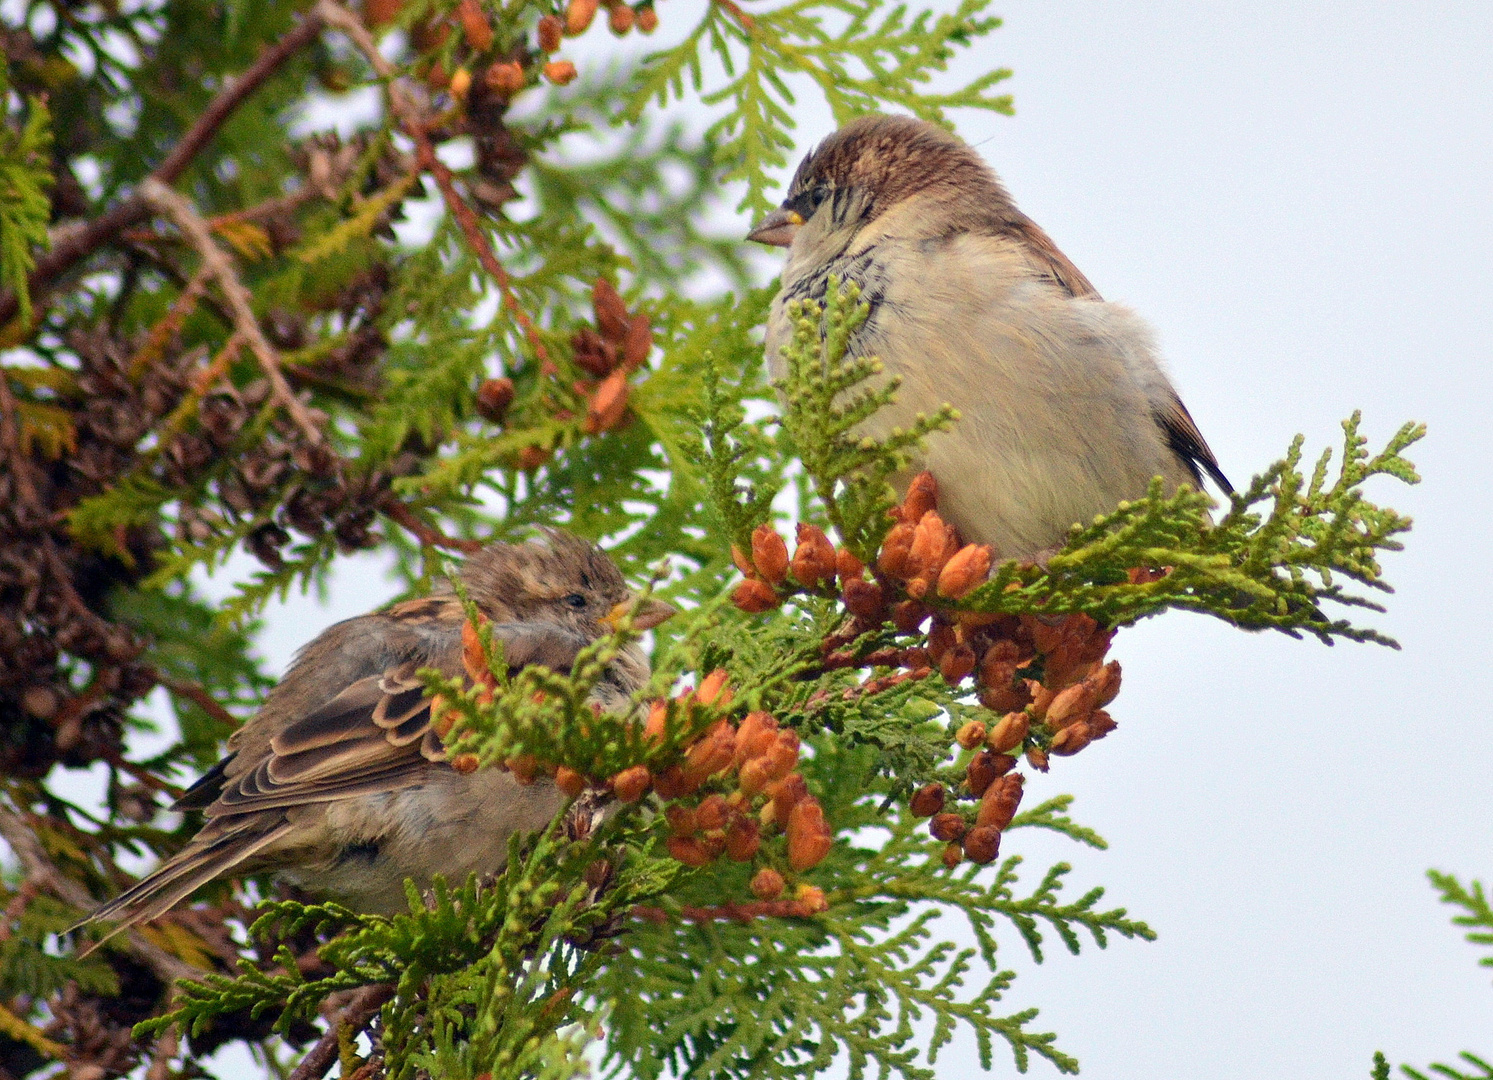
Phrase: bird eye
[574,600]
[817,196]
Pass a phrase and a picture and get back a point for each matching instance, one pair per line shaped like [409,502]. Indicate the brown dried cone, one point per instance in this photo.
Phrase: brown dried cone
[637,343]
[814,559]
[647,20]
[941,639]
[908,616]
[560,72]
[982,844]
[968,568]
[948,827]
[620,18]
[1037,758]
[505,77]
[970,735]
[985,767]
[569,781]
[957,664]
[743,839]
[611,311]
[548,33]
[1009,733]
[998,804]
[953,855]
[690,851]
[786,794]
[767,884]
[578,15]
[474,25]
[922,496]
[848,566]
[927,800]
[809,838]
[1071,739]
[755,597]
[632,784]
[864,599]
[769,554]
[895,557]
[493,398]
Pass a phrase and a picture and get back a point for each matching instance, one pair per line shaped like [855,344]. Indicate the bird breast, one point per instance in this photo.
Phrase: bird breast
[1055,393]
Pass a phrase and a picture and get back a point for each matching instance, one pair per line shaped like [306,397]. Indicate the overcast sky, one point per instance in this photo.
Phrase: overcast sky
[1297,195]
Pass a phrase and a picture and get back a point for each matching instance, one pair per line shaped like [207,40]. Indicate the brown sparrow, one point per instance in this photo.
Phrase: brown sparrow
[1065,409]
[340,782]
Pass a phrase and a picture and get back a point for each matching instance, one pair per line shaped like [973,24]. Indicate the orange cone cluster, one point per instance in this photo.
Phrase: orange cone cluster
[1043,678]
[755,762]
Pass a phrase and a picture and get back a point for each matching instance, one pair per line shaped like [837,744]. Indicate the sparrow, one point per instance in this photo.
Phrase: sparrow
[340,783]
[1064,407]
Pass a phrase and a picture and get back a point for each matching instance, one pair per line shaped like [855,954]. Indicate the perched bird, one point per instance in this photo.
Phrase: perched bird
[340,782]
[1065,409]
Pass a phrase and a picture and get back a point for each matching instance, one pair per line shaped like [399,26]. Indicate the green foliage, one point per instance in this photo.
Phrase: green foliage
[1479,914]
[859,62]
[387,320]
[1257,571]
[25,209]
[825,399]
[1473,901]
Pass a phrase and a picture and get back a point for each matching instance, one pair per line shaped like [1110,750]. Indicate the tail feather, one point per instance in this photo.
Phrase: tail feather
[196,865]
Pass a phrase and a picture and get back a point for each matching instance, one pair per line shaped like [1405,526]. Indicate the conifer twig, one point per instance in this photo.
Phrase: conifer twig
[33,859]
[335,15]
[75,245]
[356,1015]
[428,535]
[195,230]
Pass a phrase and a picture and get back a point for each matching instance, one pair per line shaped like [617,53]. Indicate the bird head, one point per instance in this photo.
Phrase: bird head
[556,578]
[871,167]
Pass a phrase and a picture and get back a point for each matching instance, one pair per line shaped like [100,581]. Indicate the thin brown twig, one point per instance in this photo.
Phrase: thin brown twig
[161,1053]
[356,1016]
[428,535]
[198,696]
[74,245]
[180,210]
[335,15]
[34,860]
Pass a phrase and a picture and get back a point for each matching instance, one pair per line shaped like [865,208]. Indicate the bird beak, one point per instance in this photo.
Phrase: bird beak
[648,614]
[777,228]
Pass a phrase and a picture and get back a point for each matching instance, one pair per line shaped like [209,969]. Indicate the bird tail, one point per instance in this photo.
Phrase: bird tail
[195,865]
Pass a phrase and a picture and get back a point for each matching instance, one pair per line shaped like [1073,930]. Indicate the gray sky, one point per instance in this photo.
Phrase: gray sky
[1298,197]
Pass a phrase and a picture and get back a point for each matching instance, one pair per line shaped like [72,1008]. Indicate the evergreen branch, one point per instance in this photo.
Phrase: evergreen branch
[1472,900]
[76,245]
[413,124]
[354,1017]
[179,209]
[1254,571]
[25,208]
[825,399]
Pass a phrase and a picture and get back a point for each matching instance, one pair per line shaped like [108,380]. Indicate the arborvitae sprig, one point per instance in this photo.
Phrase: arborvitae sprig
[25,209]
[858,62]
[1259,571]
[826,394]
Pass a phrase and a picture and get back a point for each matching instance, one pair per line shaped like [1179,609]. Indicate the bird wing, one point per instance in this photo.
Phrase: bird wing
[373,735]
[1045,259]
[1187,442]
